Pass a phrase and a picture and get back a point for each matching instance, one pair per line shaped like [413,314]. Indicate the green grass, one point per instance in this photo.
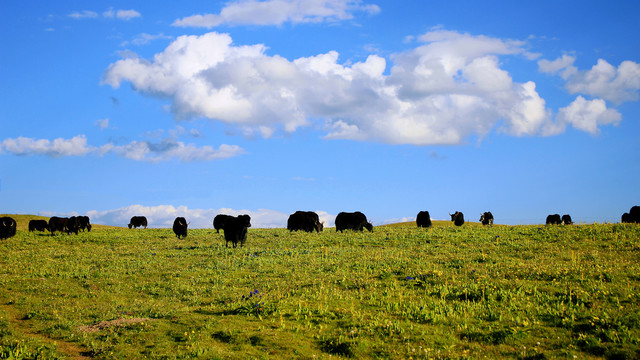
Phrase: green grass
[526,292]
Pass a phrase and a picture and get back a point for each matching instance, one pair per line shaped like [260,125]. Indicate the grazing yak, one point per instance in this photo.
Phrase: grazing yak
[355,221]
[137,221]
[423,219]
[486,218]
[304,220]
[84,223]
[38,225]
[180,227]
[457,218]
[235,230]
[57,224]
[73,225]
[566,219]
[633,216]
[7,227]
[219,220]
[553,219]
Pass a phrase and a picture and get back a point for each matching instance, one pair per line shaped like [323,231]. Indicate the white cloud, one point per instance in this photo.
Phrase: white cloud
[607,82]
[603,80]
[102,123]
[447,89]
[127,14]
[164,150]
[145,38]
[76,146]
[109,14]
[162,216]
[277,12]
[588,115]
[84,14]
[169,149]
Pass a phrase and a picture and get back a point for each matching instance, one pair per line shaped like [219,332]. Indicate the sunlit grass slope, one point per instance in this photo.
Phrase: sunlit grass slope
[529,292]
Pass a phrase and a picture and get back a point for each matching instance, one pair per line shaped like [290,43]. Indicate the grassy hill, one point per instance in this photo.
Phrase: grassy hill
[470,292]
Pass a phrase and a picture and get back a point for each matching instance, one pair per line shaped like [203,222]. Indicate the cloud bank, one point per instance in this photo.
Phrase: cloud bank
[162,150]
[278,12]
[445,90]
[162,216]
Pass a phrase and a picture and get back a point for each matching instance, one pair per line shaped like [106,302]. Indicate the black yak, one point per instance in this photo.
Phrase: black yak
[457,218]
[235,230]
[355,221]
[553,219]
[219,220]
[486,218]
[304,220]
[423,219]
[7,227]
[38,225]
[180,227]
[137,221]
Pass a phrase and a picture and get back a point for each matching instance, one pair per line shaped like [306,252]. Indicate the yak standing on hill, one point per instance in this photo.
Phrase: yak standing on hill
[180,227]
[84,223]
[219,221]
[137,221]
[423,219]
[553,219]
[38,225]
[486,218]
[235,230]
[633,216]
[57,224]
[7,227]
[354,221]
[566,219]
[304,220]
[457,218]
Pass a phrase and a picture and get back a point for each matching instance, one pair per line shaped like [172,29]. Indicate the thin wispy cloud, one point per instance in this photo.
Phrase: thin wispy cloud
[167,149]
[278,12]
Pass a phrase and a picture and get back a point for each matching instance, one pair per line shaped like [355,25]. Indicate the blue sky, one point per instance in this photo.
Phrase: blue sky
[114,109]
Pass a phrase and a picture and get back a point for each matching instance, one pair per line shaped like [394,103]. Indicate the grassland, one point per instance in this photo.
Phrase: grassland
[524,292]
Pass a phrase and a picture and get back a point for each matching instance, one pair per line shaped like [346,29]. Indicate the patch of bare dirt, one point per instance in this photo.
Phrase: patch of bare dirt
[102,325]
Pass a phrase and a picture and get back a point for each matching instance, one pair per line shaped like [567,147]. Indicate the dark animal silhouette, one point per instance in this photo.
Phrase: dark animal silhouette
[304,220]
[137,221]
[219,220]
[235,230]
[180,227]
[486,218]
[7,227]
[84,223]
[566,219]
[72,225]
[57,224]
[553,219]
[423,219]
[38,225]
[457,218]
[352,221]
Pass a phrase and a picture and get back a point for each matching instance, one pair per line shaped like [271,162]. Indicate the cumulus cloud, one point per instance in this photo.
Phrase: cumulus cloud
[163,150]
[278,12]
[603,80]
[76,146]
[588,115]
[162,216]
[446,89]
